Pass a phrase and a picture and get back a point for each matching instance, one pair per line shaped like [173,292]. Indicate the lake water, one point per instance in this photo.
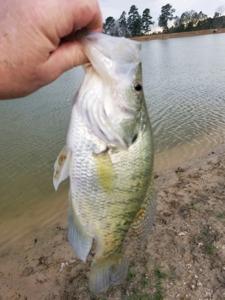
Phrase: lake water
[184,81]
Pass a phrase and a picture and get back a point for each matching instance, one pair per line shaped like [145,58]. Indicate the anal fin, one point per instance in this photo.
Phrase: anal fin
[79,240]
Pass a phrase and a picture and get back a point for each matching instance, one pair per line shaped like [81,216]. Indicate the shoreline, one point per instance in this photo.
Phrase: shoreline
[184,257]
[165,36]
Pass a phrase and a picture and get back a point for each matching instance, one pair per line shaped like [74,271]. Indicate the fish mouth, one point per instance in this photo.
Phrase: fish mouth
[120,57]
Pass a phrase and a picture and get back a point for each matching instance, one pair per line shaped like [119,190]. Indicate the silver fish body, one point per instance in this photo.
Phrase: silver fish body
[109,160]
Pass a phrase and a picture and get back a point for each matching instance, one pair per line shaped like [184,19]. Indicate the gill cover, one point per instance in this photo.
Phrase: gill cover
[107,100]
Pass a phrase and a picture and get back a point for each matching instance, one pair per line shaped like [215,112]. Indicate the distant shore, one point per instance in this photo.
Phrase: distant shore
[164,36]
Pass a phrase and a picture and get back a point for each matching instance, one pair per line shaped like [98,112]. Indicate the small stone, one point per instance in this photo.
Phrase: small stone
[63,265]
[72,261]
[41,278]
[182,233]
[179,170]
[43,260]
[28,271]
[189,266]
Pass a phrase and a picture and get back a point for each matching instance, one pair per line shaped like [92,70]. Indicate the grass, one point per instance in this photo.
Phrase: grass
[221,215]
[144,281]
[130,274]
[139,297]
[159,276]
[144,284]
[208,237]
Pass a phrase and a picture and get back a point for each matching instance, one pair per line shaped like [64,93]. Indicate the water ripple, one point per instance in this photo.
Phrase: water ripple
[185,90]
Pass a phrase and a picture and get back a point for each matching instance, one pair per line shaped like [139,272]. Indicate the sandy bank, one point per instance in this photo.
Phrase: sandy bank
[184,257]
[164,36]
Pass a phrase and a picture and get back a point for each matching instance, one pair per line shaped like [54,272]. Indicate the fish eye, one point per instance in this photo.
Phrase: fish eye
[138,87]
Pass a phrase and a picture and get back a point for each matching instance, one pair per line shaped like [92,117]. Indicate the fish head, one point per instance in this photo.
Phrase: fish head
[115,74]
[129,103]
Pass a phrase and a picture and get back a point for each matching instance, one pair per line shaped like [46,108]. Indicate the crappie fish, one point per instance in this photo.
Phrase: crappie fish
[108,158]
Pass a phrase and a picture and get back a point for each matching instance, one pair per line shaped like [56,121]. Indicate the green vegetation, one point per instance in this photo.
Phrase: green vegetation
[208,237]
[134,21]
[149,288]
[192,21]
[136,24]
[221,215]
[138,297]
[167,12]
[131,274]
[159,276]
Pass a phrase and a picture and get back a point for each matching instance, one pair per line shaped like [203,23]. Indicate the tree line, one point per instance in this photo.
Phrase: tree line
[136,24]
[131,24]
[189,20]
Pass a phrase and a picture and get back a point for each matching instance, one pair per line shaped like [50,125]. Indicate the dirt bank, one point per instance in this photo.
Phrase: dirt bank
[164,36]
[184,257]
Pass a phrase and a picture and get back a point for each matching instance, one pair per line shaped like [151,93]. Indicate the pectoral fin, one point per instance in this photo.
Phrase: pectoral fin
[61,167]
[105,170]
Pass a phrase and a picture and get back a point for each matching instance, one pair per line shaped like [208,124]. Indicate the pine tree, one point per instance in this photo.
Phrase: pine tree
[216,15]
[186,18]
[109,26]
[146,21]
[202,16]
[122,31]
[176,23]
[166,15]
[134,21]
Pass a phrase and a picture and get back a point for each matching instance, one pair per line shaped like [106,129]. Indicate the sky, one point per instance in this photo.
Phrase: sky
[115,7]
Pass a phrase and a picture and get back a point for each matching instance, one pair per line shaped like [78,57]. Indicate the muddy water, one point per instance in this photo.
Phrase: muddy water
[184,83]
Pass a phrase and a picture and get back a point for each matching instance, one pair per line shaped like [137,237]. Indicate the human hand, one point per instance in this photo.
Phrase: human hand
[33,50]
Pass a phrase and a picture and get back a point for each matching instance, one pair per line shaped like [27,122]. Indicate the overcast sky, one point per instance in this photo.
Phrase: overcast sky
[115,7]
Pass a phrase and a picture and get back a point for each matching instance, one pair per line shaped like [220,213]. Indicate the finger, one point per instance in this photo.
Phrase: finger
[96,24]
[67,56]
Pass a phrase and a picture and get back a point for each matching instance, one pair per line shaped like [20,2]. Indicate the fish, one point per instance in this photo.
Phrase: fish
[108,158]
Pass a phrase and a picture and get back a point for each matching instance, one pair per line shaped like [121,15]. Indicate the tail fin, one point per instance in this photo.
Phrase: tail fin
[107,272]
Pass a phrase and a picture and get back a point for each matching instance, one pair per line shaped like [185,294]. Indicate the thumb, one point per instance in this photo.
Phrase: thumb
[65,57]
